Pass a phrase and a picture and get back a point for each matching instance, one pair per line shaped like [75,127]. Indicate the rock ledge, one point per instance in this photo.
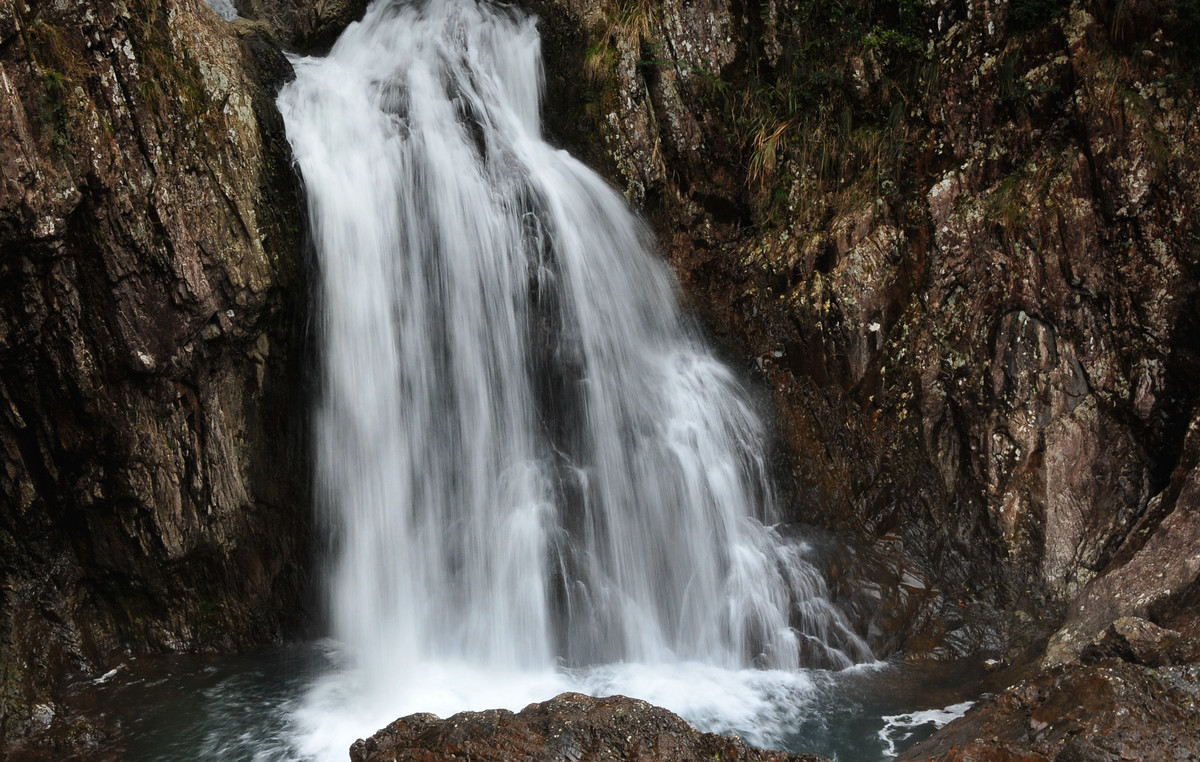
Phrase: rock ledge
[570,726]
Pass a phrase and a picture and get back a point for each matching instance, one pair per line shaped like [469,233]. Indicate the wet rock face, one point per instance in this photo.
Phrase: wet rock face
[570,726]
[1145,603]
[151,492]
[961,247]
[303,27]
[960,242]
[1111,710]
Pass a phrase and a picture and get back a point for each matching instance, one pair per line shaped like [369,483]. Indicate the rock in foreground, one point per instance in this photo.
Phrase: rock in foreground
[570,726]
[1110,710]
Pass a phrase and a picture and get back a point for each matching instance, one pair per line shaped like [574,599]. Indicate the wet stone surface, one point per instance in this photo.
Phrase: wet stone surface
[1111,710]
[570,726]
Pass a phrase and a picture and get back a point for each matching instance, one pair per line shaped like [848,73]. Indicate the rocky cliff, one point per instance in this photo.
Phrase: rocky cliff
[152,495]
[959,241]
[956,239]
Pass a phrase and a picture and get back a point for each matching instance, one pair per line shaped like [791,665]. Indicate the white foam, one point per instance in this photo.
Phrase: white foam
[759,705]
[898,728]
[523,450]
[109,675]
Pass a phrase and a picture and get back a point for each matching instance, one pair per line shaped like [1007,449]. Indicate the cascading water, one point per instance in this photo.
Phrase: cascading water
[530,464]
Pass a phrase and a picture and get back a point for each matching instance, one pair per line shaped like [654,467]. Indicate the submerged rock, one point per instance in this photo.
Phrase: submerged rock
[570,726]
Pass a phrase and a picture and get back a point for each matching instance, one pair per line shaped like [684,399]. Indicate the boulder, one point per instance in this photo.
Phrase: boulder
[569,727]
[1108,711]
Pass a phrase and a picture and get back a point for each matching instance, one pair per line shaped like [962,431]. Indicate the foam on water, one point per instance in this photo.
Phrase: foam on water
[759,705]
[308,702]
[900,728]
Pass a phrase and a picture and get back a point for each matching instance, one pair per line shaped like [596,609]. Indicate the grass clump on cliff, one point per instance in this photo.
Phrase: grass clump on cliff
[61,69]
[831,110]
[171,83]
[617,27]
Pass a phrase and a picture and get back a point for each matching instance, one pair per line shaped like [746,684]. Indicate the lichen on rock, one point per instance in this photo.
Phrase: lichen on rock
[151,286]
[958,241]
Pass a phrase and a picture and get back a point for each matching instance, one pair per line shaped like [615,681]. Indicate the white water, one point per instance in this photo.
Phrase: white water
[530,464]
[899,728]
[224,8]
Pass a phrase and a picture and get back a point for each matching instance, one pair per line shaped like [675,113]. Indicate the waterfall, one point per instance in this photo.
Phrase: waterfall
[527,459]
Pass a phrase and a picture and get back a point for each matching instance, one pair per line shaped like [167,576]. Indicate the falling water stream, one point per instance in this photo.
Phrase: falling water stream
[534,473]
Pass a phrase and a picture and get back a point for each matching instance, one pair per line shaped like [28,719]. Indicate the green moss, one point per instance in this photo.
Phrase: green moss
[169,84]
[600,64]
[832,110]
[892,40]
[55,113]
[60,66]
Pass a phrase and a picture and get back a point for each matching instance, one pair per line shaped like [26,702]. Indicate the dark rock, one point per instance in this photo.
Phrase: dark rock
[570,726]
[302,25]
[1134,640]
[1155,576]
[963,260]
[1107,711]
[958,241]
[152,488]
[966,264]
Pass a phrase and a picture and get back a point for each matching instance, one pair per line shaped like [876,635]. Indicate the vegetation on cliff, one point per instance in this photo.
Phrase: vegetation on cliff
[959,241]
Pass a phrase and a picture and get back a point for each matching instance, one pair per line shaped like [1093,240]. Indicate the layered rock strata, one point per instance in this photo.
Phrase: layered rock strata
[959,241]
[152,494]
[956,239]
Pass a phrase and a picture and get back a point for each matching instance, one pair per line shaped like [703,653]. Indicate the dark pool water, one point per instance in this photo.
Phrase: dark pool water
[246,708]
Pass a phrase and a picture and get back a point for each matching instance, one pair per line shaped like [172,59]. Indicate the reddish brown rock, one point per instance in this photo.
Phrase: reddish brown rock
[1112,710]
[960,247]
[152,495]
[1138,641]
[968,270]
[1155,576]
[570,726]
[957,239]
